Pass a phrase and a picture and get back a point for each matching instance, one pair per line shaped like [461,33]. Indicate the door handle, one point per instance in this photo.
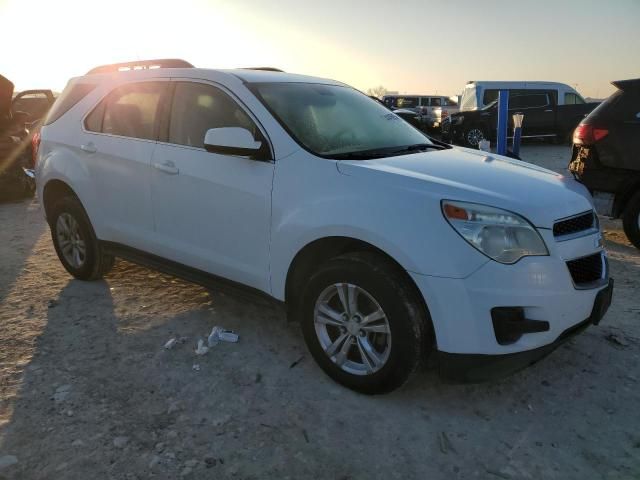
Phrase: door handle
[167,167]
[88,148]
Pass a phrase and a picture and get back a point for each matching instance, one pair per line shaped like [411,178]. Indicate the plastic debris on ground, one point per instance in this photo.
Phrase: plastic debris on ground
[201,349]
[170,344]
[219,334]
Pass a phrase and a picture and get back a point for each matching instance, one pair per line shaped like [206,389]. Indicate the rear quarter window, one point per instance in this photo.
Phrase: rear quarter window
[71,95]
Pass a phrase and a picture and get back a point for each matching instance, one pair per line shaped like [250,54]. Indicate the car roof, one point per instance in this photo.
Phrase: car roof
[245,75]
[516,84]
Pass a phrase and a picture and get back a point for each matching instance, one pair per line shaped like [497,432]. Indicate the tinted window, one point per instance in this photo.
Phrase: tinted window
[489,96]
[407,102]
[449,102]
[572,99]
[131,110]
[436,102]
[528,100]
[197,107]
[71,95]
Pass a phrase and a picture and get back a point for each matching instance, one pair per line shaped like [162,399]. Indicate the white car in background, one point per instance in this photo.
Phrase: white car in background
[385,246]
[432,108]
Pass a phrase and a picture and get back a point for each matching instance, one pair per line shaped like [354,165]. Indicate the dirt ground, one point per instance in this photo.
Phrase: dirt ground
[88,391]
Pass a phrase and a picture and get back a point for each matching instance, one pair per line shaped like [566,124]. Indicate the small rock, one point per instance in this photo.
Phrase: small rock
[120,442]
[544,383]
[201,349]
[445,443]
[617,339]
[210,462]
[7,461]
[173,407]
[62,392]
[195,367]
[155,460]
[52,304]
[77,443]
[186,471]
[159,447]
[170,343]
[69,413]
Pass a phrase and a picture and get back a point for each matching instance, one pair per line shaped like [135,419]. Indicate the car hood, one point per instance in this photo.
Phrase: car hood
[6,93]
[540,195]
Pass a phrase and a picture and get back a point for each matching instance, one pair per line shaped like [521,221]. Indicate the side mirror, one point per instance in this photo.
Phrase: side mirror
[231,141]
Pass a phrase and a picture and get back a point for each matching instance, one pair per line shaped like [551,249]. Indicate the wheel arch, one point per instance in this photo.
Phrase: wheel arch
[53,190]
[321,250]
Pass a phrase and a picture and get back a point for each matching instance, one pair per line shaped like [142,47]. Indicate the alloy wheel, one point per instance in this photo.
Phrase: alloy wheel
[352,329]
[70,241]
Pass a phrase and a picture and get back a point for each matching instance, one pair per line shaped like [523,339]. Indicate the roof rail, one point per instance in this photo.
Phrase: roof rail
[141,65]
[264,69]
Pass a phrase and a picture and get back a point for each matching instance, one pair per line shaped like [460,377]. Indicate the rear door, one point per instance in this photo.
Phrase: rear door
[212,212]
[117,142]
[538,108]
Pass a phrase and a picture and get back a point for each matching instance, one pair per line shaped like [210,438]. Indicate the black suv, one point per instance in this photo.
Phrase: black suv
[606,156]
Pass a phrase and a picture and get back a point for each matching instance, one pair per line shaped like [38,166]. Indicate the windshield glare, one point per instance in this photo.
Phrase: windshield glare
[333,120]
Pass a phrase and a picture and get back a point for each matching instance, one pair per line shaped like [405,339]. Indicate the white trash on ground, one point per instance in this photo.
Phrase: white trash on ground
[201,349]
[171,343]
[219,334]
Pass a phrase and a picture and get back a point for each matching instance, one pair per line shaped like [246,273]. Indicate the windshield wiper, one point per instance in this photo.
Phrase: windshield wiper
[418,147]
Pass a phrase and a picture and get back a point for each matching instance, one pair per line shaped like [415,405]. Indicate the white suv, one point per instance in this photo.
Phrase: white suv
[385,246]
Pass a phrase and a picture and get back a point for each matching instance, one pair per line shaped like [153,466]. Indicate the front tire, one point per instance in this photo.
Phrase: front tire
[363,323]
[75,241]
[474,135]
[631,220]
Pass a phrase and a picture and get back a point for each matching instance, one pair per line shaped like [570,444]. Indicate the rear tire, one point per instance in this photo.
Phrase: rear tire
[631,220]
[75,241]
[384,330]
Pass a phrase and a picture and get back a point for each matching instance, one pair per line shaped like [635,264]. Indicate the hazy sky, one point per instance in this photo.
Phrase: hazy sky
[413,46]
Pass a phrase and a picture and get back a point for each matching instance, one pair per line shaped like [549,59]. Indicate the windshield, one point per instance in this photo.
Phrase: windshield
[331,121]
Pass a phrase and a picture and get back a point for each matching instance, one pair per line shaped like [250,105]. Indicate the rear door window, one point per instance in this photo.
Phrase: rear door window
[436,102]
[528,99]
[572,99]
[129,111]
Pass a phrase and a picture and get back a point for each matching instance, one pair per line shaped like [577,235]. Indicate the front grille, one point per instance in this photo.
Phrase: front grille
[586,270]
[579,223]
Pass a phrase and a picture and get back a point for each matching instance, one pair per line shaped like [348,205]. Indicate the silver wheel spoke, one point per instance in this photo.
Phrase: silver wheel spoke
[342,294]
[364,357]
[373,317]
[333,348]
[370,355]
[383,328]
[76,258]
[344,351]
[330,314]
[82,248]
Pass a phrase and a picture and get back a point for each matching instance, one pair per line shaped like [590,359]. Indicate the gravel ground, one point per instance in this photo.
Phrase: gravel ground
[88,391]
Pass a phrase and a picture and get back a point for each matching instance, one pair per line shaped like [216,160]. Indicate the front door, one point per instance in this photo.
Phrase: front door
[538,108]
[212,212]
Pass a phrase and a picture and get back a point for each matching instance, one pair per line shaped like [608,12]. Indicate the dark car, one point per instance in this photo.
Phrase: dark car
[30,106]
[16,176]
[543,117]
[606,156]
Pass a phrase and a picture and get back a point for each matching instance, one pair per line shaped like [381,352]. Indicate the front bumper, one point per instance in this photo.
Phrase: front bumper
[460,308]
[469,368]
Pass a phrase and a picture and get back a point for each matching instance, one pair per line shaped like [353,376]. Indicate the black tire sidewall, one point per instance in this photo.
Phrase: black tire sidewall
[71,206]
[630,219]
[402,312]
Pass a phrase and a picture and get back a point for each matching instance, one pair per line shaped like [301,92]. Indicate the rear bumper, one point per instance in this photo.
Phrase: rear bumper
[470,368]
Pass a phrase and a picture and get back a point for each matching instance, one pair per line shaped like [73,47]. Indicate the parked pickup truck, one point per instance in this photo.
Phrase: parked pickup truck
[543,117]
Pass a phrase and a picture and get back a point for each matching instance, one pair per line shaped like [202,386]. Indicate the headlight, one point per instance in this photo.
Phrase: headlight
[501,235]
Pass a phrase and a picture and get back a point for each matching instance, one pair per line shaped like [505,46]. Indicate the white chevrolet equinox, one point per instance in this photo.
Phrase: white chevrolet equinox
[387,246]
